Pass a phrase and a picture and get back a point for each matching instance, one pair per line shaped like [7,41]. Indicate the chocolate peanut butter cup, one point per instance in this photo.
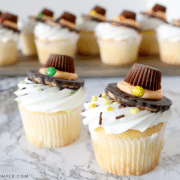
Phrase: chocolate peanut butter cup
[140,77]
[128,15]
[47,12]
[68,17]
[100,10]
[158,7]
[9,21]
[62,70]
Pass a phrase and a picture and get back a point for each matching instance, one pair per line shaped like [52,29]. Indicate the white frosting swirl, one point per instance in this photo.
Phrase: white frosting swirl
[138,121]
[106,31]
[168,32]
[7,35]
[85,24]
[52,33]
[149,23]
[50,99]
[27,26]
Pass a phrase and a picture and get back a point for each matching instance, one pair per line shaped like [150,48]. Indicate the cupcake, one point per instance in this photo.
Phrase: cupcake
[149,22]
[87,44]
[127,122]
[119,40]
[58,36]
[169,42]
[27,28]
[50,103]
[9,35]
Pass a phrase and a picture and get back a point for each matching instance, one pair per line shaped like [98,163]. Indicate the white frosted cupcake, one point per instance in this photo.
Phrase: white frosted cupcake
[50,103]
[149,21]
[127,123]
[86,24]
[119,41]
[58,37]
[27,35]
[9,35]
[169,42]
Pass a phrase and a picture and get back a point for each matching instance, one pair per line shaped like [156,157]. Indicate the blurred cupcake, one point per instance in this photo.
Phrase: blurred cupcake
[127,122]
[59,36]
[149,22]
[9,35]
[50,103]
[27,28]
[119,40]
[87,44]
[169,42]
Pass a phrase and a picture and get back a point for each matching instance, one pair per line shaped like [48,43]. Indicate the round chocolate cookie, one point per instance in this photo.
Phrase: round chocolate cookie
[61,83]
[129,100]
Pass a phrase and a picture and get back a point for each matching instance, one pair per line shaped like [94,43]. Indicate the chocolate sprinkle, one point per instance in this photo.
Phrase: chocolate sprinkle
[121,116]
[100,118]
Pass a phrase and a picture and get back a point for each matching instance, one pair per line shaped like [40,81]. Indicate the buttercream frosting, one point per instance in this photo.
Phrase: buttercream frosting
[168,32]
[44,98]
[52,33]
[7,35]
[139,120]
[107,32]
[27,26]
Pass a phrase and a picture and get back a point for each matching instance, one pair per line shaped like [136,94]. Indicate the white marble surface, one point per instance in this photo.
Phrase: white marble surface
[19,159]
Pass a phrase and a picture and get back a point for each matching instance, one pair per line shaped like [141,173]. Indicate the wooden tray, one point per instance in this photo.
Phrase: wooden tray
[89,67]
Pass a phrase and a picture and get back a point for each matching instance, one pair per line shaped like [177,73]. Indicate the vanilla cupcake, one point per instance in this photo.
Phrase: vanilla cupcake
[127,122]
[149,22]
[50,103]
[59,37]
[169,42]
[86,24]
[27,27]
[119,40]
[9,35]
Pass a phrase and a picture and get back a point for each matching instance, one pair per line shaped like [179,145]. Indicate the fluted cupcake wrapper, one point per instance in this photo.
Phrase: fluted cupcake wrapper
[51,130]
[127,157]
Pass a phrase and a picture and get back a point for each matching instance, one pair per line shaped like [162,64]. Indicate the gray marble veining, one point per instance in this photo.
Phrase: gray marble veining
[20,160]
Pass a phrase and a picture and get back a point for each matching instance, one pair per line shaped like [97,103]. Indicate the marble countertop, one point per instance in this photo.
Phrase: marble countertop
[20,160]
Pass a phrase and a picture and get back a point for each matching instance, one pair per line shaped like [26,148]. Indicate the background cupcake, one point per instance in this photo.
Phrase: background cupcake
[119,40]
[169,42]
[127,122]
[149,22]
[9,35]
[87,44]
[59,36]
[50,103]
[27,28]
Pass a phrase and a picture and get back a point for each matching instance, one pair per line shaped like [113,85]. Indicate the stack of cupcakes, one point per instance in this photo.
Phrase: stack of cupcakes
[57,36]
[9,35]
[119,40]
[50,103]
[87,44]
[127,122]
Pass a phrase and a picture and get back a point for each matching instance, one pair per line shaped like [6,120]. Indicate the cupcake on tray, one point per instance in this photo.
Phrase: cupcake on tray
[50,103]
[9,35]
[149,22]
[127,122]
[119,40]
[87,44]
[27,28]
[169,42]
[56,36]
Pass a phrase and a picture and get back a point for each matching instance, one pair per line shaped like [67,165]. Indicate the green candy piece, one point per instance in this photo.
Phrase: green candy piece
[73,92]
[51,71]
[40,16]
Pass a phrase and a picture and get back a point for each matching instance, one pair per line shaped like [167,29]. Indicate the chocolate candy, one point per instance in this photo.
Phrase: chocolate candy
[147,77]
[47,12]
[68,17]
[129,100]
[9,17]
[61,62]
[61,83]
[128,15]
[99,10]
[158,7]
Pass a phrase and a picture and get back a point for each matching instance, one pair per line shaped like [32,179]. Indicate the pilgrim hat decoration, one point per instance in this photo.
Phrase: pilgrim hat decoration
[97,13]
[158,11]
[9,21]
[58,71]
[141,88]
[127,19]
[43,16]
